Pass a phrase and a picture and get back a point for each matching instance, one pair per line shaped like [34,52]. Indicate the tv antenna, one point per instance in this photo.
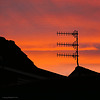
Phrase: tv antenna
[74,45]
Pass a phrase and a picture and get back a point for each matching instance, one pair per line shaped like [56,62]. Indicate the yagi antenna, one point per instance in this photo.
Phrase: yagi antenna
[65,44]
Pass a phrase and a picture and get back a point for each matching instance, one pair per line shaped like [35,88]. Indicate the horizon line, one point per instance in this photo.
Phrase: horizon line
[54,49]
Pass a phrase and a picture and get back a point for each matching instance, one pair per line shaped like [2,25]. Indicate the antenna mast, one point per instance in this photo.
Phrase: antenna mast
[74,44]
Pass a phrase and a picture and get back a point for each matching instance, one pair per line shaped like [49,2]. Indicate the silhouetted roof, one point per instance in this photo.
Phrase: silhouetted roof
[83,72]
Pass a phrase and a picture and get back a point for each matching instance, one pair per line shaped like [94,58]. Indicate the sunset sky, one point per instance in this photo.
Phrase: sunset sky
[33,25]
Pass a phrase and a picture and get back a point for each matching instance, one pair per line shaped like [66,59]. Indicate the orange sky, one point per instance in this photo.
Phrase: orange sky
[33,25]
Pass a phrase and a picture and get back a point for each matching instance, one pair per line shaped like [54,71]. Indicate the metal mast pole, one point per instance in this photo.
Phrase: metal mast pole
[77,49]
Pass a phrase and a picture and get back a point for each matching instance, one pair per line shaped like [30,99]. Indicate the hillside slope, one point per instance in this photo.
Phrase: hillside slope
[16,68]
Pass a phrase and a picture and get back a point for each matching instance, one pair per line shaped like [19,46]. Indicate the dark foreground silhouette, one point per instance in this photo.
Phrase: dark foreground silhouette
[19,77]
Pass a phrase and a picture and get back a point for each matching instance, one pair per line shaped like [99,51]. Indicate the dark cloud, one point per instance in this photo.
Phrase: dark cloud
[85,45]
[97,45]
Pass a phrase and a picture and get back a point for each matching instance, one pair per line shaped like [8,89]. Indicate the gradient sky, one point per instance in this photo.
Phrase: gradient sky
[33,25]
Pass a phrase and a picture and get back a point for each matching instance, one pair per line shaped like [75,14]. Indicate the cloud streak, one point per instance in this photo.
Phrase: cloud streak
[32,21]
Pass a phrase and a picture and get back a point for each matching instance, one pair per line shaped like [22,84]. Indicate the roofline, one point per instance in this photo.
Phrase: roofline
[23,73]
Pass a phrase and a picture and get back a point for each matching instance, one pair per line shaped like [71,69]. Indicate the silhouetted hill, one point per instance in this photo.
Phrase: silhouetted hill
[12,56]
[16,68]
